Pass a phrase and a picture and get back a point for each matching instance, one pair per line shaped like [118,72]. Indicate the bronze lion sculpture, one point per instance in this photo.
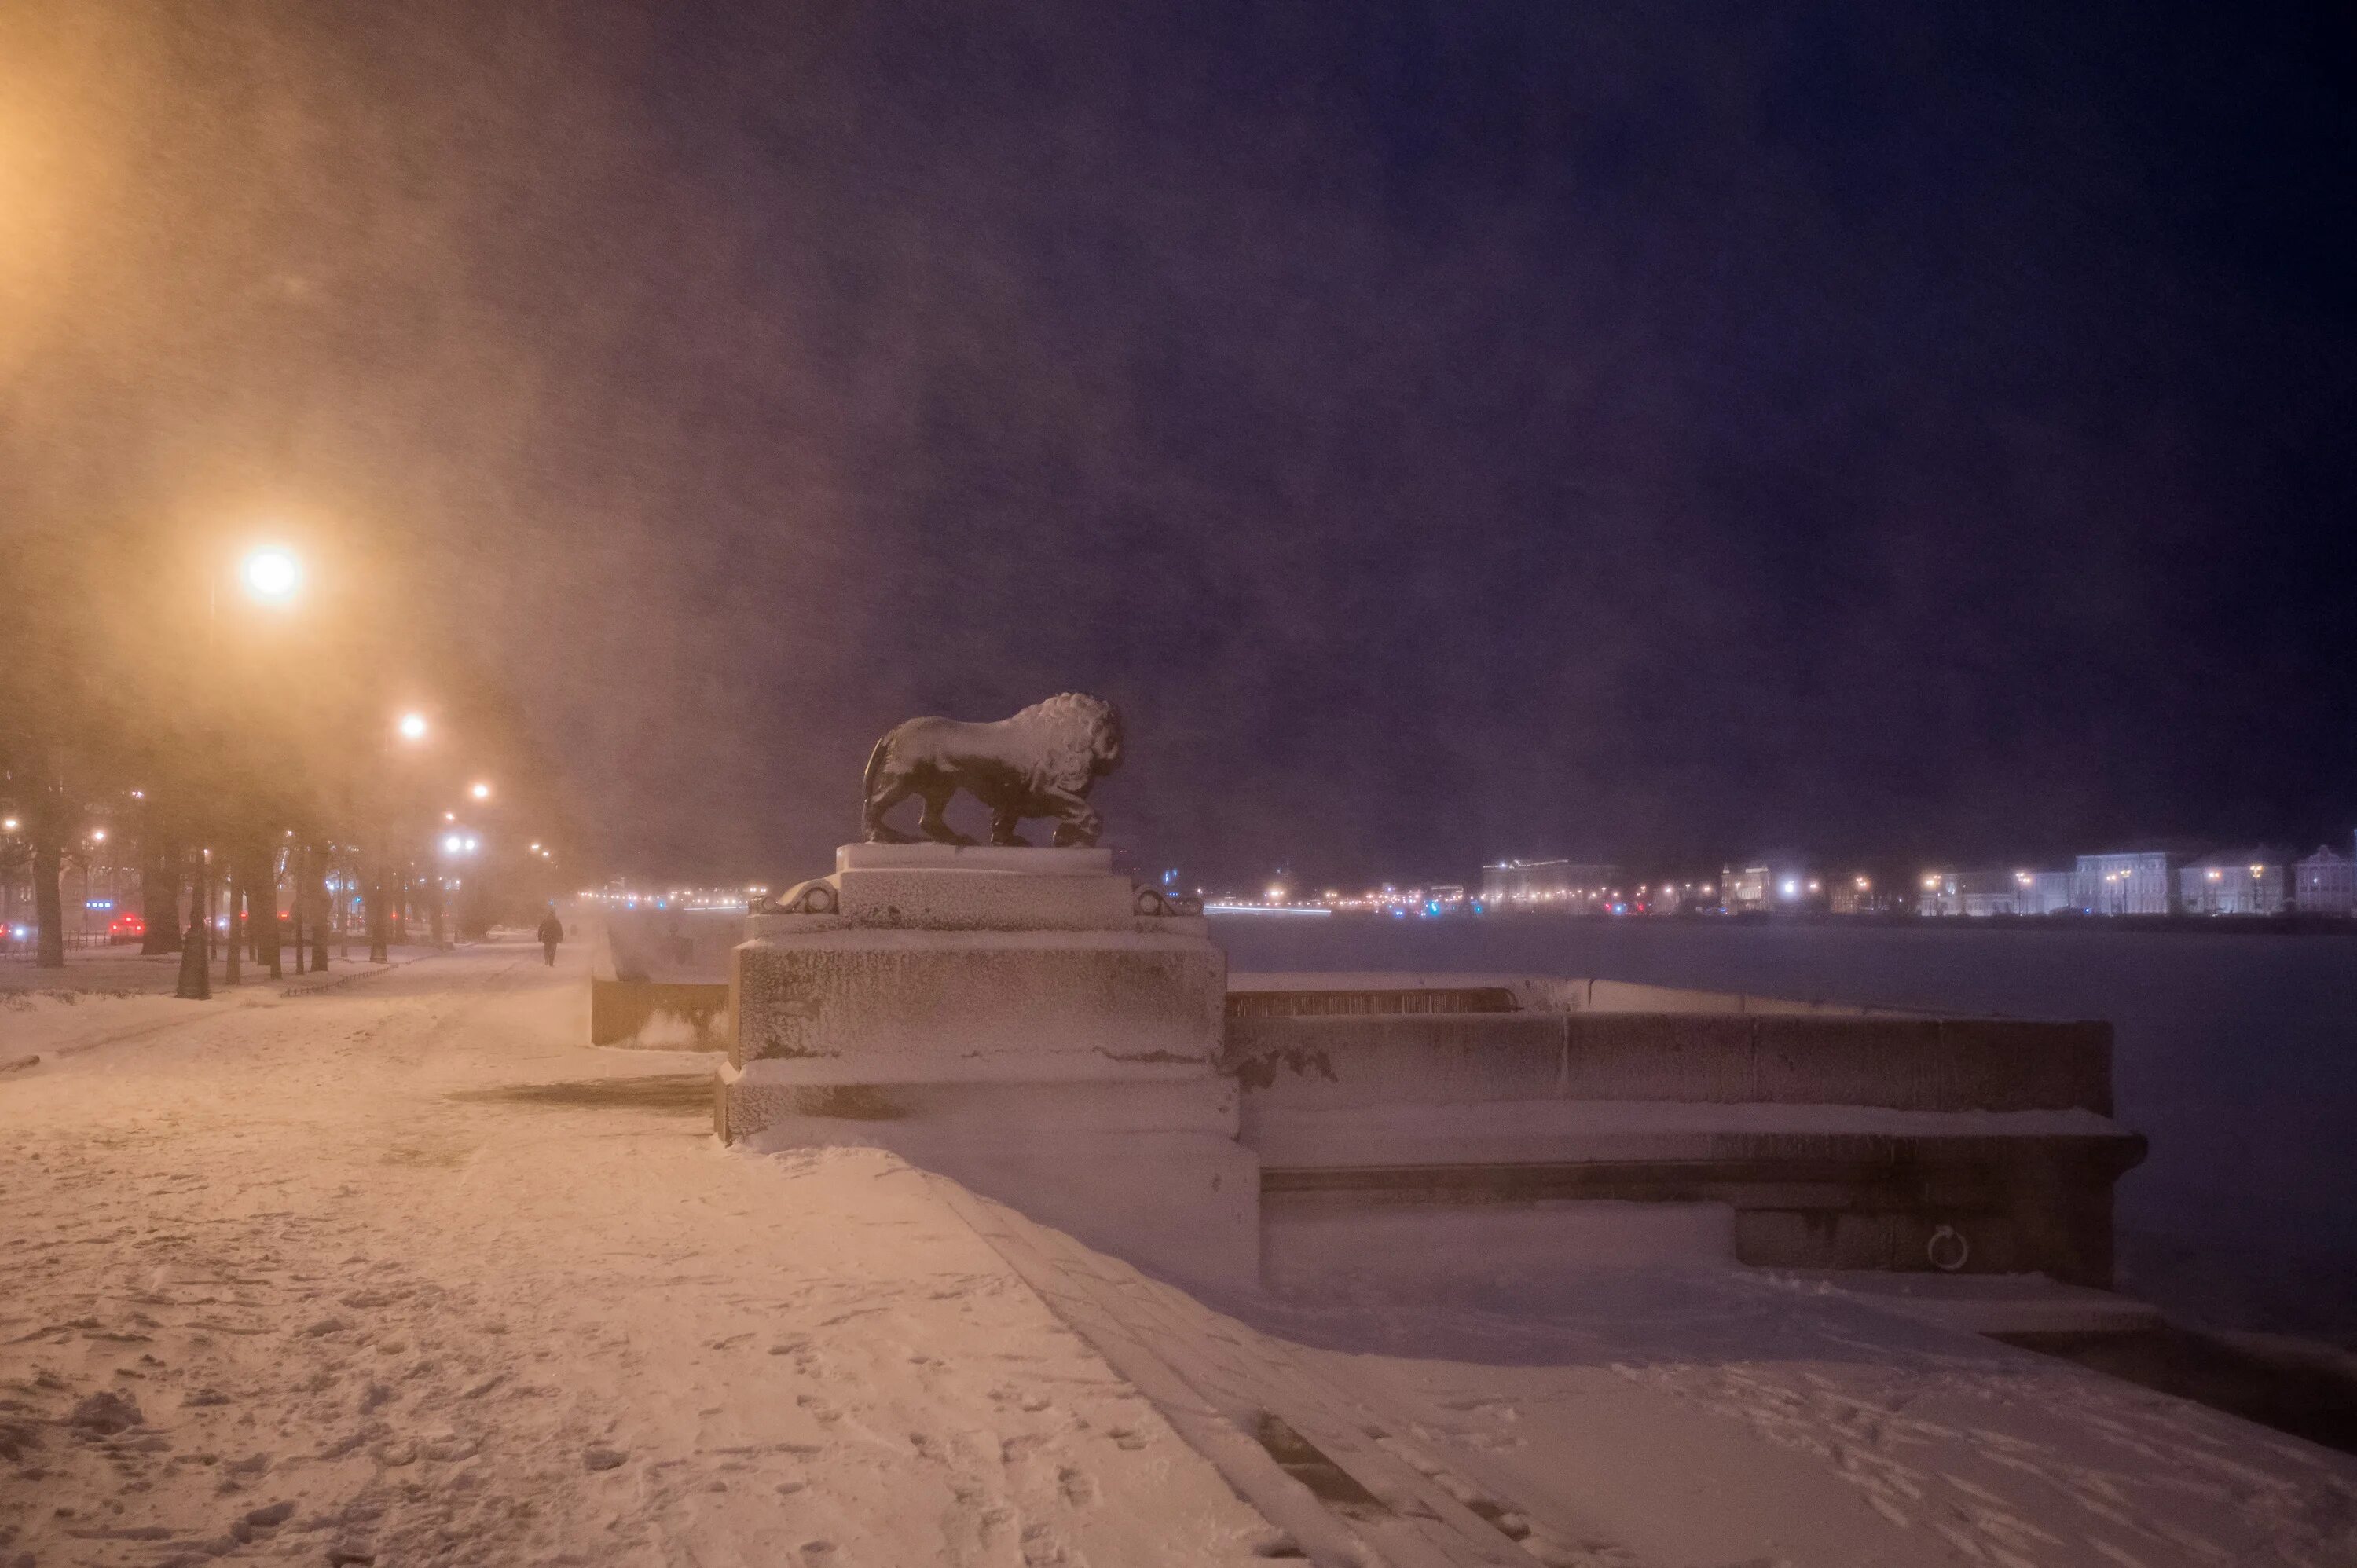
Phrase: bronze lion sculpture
[1040,763]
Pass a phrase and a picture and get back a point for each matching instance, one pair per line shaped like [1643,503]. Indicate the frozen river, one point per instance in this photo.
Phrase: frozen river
[2236,1054]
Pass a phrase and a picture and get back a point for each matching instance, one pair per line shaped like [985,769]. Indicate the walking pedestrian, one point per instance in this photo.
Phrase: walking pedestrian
[552,931]
[196,982]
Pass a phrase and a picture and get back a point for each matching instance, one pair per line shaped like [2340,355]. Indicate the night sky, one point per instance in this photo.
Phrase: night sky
[1651,433]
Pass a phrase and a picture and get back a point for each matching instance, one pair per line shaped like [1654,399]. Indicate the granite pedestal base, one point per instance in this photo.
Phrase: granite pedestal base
[1015,1019]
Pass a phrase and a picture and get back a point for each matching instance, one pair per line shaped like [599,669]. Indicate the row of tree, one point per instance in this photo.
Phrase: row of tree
[233,743]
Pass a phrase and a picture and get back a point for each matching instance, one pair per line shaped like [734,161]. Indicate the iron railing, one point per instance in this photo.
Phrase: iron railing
[27,948]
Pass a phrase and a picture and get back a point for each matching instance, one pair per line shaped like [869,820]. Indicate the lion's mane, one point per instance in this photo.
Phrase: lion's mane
[1069,729]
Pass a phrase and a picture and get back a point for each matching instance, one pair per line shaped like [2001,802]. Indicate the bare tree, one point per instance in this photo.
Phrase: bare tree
[159,882]
[49,824]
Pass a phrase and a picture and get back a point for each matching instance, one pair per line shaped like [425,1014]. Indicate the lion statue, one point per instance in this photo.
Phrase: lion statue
[1040,763]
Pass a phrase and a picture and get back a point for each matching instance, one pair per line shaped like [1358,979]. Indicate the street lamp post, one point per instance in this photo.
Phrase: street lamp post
[411,728]
[270,575]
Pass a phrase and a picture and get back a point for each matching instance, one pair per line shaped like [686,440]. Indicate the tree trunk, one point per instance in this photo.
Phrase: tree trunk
[232,966]
[262,906]
[380,923]
[159,891]
[311,895]
[195,949]
[48,902]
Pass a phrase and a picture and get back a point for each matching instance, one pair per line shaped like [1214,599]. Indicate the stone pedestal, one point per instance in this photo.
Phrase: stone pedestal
[1024,1021]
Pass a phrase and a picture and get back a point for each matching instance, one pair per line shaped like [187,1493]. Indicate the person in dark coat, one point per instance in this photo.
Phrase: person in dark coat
[196,982]
[552,931]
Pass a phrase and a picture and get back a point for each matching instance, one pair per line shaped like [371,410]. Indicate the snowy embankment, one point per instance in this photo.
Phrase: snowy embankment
[1686,1416]
[2235,1055]
[401,1272]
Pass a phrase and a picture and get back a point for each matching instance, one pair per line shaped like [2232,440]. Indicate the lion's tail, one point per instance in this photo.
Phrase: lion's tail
[875,767]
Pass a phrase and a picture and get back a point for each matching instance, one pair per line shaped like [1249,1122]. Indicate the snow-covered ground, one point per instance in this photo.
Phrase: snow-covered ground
[125,971]
[2236,1054]
[400,1272]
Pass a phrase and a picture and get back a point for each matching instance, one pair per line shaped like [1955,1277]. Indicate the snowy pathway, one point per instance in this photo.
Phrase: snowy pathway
[401,1272]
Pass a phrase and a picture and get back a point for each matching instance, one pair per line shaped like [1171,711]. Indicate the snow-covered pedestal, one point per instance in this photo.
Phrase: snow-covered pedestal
[1026,1021]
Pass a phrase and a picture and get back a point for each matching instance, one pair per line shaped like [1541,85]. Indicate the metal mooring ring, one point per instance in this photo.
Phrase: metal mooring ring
[1948,1249]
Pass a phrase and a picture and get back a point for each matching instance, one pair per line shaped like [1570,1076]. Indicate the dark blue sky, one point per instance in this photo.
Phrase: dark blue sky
[1448,431]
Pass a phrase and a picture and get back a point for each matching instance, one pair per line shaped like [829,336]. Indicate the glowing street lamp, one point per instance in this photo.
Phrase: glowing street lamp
[480,792]
[411,728]
[271,574]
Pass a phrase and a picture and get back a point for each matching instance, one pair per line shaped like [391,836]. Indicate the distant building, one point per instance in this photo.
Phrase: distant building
[2046,893]
[1854,895]
[2325,884]
[1991,893]
[1746,888]
[1787,884]
[1975,893]
[2253,883]
[1941,892]
[2130,882]
[1547,883]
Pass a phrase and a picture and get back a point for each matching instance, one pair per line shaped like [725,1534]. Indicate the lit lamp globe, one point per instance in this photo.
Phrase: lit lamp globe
[411,727]
[272,575]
